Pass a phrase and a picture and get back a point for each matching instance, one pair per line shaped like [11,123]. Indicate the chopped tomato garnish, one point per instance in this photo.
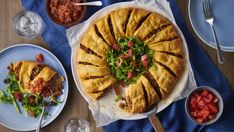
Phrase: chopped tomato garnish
[130,52]
[144,59]
[116,47]
[18,95]
[39,57]
[130,75]
[117,91]
[31,99]
[133,64]
[130,44]
[117,62]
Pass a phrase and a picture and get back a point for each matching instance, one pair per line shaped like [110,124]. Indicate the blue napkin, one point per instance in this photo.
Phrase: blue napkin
[173,117]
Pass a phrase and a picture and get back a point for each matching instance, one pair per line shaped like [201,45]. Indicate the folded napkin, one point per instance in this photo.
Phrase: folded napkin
[173,117]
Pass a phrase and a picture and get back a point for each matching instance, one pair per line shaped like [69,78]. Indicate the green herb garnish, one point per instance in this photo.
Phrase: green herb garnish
[130,59]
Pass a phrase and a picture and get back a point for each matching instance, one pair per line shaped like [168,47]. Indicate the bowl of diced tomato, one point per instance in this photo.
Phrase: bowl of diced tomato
[204,105]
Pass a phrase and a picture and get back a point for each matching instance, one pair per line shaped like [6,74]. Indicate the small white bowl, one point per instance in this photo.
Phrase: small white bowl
[220,105]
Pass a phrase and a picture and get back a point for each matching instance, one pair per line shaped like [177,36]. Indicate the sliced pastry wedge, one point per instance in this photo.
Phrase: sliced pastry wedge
[136,18]
[173,47]
[173,64]
[96,87]
[93,44]
[90,59]
[135,101]
[103,27]
[151,25]
[165,80]
[166,34]
[119,19]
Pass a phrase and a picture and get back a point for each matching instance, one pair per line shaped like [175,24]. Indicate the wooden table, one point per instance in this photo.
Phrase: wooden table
[76,107]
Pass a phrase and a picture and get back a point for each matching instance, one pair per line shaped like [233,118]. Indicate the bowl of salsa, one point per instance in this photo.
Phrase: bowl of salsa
[64,12]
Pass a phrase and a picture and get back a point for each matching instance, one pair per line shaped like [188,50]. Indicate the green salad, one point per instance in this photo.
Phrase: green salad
[129,58]
[31,103]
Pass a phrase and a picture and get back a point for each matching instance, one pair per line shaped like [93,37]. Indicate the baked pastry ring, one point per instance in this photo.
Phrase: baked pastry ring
[157,32]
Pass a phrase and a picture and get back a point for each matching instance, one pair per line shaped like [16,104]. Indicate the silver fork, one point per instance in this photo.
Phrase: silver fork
[46,101]
[210,19]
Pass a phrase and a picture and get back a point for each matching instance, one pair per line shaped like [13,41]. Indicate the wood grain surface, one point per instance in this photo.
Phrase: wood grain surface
[76,107]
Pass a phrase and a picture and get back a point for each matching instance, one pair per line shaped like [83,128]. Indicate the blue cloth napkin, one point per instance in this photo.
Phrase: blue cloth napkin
[173,117]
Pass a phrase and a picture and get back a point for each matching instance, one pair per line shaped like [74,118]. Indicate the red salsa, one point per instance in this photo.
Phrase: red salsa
[64,11]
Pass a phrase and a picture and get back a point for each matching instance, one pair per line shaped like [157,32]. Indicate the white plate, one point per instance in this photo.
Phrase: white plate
[106,103]
[9,117]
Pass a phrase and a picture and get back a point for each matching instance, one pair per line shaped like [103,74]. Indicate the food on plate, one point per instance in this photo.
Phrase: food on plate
[64,11]
[203,105]
[137,52]
[39,58]
[28,82]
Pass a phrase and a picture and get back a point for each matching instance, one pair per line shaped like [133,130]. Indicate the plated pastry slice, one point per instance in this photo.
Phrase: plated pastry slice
[165,34]
[37,78]
[153,23]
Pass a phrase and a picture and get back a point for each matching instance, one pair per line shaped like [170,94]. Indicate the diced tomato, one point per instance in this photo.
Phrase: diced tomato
[39,57]
[117,62]
[200,120]
[213,108]
[130,75]
[211,117]
[198,98]
[130,44]
[130,52]
[216,100]
[210,96]
[194,114]
[123,56]
[133,64]
[205,93]
[31,99]
[144,59]
[200,103]
[117,91]
[18,95]
[116,47]
[205,113]
[122,84]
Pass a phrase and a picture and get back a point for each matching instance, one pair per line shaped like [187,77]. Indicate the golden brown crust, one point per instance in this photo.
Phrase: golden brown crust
[153,22]
[167,33]
[136,16]
[160,36]
[104,29]
[26,70]
[135,99]
[119,20]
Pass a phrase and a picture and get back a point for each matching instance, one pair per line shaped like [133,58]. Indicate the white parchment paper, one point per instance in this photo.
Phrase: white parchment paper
[105,110]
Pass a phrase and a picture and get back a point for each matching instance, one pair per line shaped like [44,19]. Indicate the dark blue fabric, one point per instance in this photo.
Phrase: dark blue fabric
[173,117]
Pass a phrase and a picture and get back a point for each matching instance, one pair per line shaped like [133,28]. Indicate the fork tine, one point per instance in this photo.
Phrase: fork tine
[209,7]
[204,8]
